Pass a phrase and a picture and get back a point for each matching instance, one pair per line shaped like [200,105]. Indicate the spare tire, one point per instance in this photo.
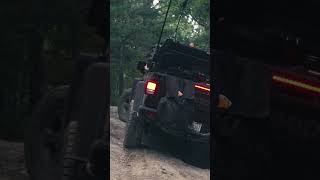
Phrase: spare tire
[124,105]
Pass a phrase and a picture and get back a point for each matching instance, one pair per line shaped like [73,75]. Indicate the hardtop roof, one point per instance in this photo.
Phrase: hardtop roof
[176,47]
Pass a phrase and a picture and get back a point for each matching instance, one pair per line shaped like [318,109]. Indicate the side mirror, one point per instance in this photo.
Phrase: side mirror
[141,66]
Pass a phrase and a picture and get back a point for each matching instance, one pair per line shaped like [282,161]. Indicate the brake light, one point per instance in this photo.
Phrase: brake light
[296,83]
[151,87]
[203,87]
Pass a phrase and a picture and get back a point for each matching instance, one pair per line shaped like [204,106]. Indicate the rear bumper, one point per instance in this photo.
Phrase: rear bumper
[149,116]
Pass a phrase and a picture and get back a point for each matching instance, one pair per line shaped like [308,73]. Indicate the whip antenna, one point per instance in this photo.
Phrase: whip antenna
[164,22]
[184,5]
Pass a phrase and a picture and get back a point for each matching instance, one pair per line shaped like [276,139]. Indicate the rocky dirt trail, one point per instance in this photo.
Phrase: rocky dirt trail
[147,163]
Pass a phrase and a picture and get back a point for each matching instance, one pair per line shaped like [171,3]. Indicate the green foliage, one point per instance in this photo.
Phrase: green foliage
[45,36]
[135,27]
[37,50]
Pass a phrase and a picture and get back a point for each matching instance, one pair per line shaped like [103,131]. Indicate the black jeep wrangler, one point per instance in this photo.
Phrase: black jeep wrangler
[173,96]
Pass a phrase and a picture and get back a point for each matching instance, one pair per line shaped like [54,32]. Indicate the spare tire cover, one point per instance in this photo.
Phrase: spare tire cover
[176,112]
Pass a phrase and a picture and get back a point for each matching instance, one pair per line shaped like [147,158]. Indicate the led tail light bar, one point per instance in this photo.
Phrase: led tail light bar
[296,83]
[203,87]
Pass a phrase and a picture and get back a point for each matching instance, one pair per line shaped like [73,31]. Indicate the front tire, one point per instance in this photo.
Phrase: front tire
[134,132]
[88,125]
[44,137]
[124,105]
[69,165]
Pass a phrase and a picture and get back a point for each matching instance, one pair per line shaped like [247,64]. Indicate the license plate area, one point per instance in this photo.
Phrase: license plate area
[195,126]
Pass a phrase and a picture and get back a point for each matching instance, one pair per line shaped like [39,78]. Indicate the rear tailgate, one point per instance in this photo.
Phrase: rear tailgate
[197,93]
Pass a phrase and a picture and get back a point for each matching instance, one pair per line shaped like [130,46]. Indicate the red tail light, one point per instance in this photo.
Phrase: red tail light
[151,87]
[202,87]
[296,83]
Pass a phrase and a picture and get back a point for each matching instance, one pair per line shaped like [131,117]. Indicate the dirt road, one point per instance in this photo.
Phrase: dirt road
[148,163]
[156,163]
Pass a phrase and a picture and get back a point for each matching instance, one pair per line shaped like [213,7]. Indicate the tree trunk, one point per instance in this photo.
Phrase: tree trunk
[38,74]
[121,70]
[74,29]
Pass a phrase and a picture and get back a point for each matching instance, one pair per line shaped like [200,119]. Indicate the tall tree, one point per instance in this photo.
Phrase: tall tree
[135,27]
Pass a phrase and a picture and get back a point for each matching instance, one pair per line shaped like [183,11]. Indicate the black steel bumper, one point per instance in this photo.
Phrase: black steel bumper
[149,116]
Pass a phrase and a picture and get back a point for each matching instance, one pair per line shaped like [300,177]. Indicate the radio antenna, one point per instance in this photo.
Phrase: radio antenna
[184,5]
[164,22]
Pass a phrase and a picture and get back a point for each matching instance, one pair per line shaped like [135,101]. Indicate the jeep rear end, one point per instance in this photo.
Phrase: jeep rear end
[189,109]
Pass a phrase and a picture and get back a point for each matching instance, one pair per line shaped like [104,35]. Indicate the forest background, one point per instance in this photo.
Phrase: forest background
[40,43]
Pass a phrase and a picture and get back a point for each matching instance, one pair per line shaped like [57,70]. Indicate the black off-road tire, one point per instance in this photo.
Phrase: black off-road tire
[73,169]
[199,153]
[124,105]
[43,159]
[69,172]
[134,132]
[87,124]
